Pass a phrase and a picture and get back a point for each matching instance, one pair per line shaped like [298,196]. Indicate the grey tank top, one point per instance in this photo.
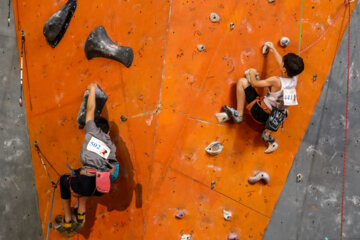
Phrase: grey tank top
[276,99]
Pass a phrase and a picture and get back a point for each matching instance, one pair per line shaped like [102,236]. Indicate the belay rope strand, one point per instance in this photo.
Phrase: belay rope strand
[21,67]
[9,13]
[346,121]
[53,184]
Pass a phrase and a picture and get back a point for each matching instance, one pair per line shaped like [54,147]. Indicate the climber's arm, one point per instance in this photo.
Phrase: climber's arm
[91,104]
[277,55]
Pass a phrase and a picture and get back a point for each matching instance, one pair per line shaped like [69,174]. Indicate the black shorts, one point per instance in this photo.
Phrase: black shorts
[80,184]
[256,111]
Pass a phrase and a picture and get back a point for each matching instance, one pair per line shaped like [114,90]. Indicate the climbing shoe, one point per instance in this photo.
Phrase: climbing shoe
[233,113]
[66,229]
[267,138]
[78,218]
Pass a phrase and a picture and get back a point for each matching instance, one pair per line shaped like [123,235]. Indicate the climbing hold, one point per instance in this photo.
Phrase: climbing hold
[247,75]
[200,47]
[222,117]
[232,236]
[100,99]
[214,148]
[314,77]
[260,176]
[284,42]
[214,17]
[55,28]
[272,147]
[180,214]
[227,215]
[123,118]
[232,26]
[271,1]
[98,44]
[185,236]
[299,177]
[265,49]
[213,184]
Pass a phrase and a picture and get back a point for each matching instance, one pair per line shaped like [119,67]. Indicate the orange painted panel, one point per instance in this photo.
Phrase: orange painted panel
[170,95]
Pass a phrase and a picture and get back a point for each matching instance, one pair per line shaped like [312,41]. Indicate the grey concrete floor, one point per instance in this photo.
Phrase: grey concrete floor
[311,209]
[18,202]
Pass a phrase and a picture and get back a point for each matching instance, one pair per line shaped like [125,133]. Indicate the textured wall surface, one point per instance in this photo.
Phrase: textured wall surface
[170,95]
[312,209]
[18,202]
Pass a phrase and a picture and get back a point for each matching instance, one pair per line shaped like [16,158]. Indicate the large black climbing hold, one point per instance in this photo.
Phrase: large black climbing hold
[98,44]
[100,99]
[55,27]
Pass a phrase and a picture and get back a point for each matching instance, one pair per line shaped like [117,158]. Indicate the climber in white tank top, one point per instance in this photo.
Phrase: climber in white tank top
[276,99]
[281,92]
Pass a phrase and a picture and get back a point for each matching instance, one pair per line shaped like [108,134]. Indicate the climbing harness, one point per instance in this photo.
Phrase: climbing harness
[346,119]
[21,67]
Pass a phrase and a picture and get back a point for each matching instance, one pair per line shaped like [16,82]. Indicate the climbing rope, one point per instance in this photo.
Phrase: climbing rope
[53,184]
[9,13]
[346,120]
[21,67]
[301,20]
[322,35]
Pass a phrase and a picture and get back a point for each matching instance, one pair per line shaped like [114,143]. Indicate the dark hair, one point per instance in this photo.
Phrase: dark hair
[103,124]
[293,64]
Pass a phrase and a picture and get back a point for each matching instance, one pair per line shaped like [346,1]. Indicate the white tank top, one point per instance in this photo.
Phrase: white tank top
[276,99]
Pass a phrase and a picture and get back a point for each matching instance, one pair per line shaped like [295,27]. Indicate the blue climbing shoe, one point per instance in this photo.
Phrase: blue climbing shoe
[233,113]
[267,138]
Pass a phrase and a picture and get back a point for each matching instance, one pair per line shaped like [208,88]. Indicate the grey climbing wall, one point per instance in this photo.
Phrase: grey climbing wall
[18,198]
[311,209]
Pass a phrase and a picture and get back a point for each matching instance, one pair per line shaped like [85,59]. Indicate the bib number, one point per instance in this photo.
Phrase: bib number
[98,147]
[290,98]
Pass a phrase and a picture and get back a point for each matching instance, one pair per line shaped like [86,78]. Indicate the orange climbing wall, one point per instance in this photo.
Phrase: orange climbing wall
[170,95]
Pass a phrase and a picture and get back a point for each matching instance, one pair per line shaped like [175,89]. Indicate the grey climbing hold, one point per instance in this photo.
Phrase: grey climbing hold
[265,49]
[232,26]
[214,17]
[214,148]
[232,236]
[284,42]
[99,44]
[227,215]
[260,176]
[185,236]
[123,118]
[299,178]
[271,147]
[55,28]
[271,1]
[314,77]
[100,99]
[222,117]
[213,184]
[200,47]
[180,214]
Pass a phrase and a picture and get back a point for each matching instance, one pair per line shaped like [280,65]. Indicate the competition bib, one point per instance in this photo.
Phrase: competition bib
[290,97]
[98,147]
